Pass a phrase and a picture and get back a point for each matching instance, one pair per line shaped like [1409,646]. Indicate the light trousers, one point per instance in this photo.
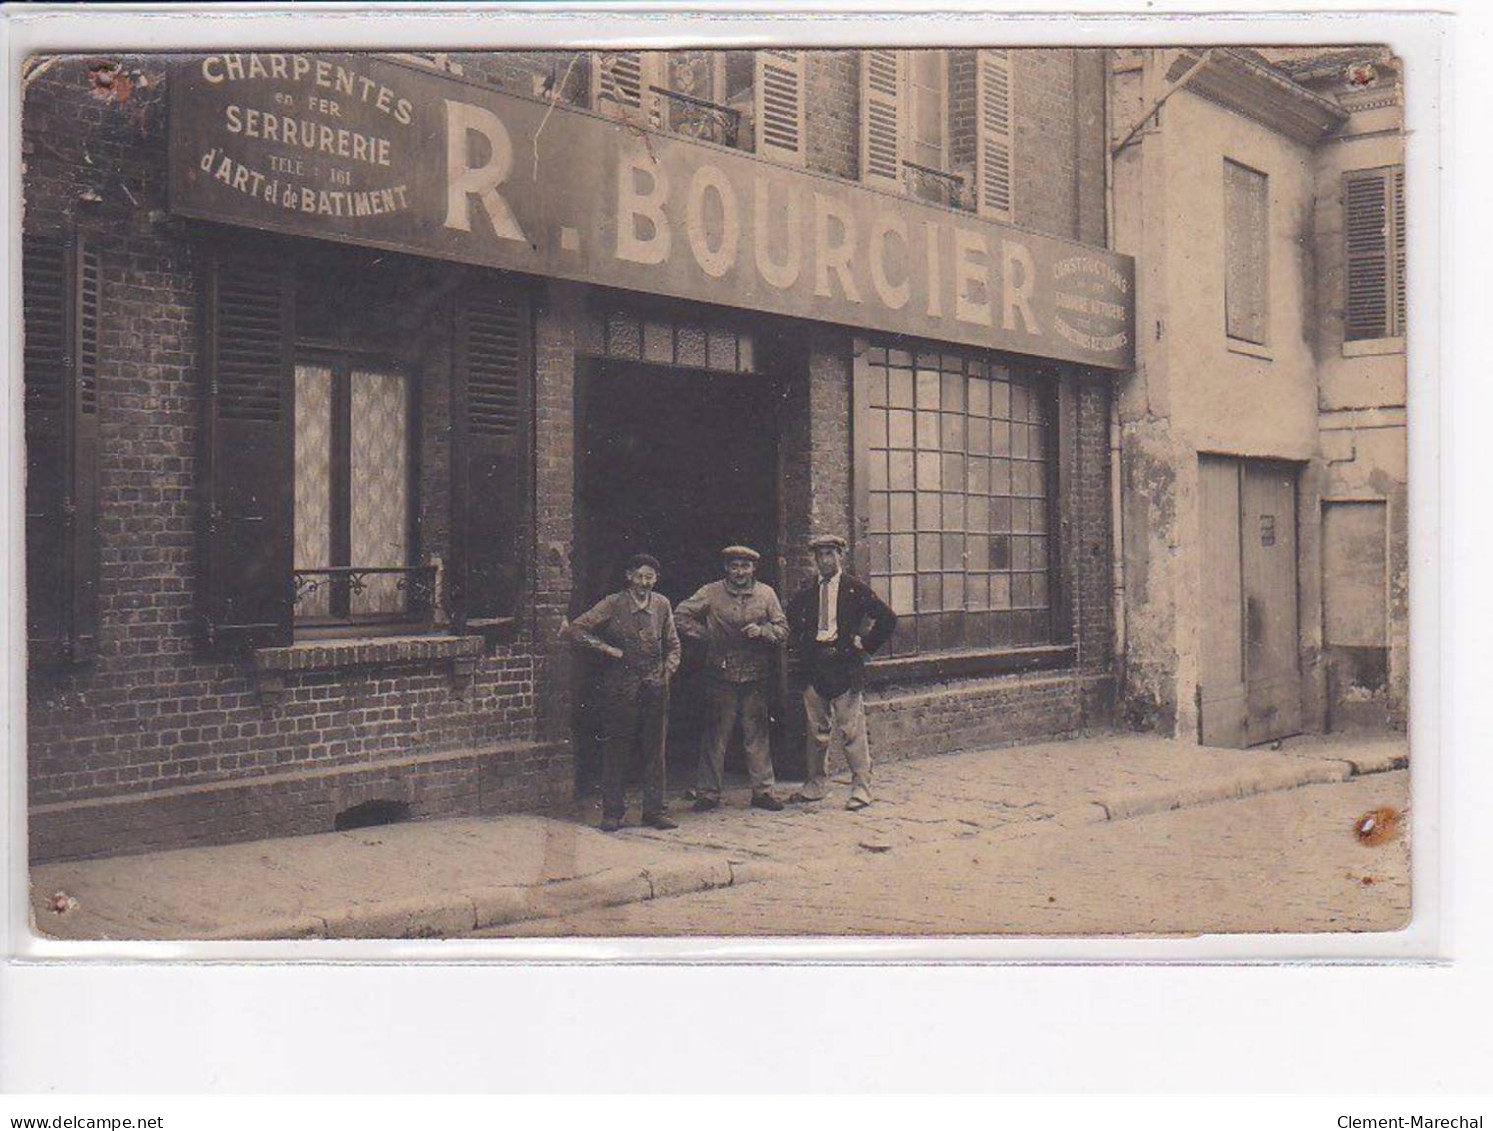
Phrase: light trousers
[843,717]
[725,702]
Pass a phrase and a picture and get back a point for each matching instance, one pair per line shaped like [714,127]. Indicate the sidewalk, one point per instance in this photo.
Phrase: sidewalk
[436,879]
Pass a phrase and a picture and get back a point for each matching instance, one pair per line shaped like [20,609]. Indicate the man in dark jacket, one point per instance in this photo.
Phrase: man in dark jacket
[833,626]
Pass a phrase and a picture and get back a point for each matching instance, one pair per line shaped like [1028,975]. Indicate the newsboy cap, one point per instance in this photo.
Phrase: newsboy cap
[638,561]
[828,542]
[745,553]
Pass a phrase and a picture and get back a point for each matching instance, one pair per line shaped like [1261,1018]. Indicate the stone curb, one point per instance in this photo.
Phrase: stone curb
[1184,795]
[464,912]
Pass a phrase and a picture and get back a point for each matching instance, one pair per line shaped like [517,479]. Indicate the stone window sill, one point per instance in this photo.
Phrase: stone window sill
[271,665]
[1373,347]
[963,665]
[1251,349]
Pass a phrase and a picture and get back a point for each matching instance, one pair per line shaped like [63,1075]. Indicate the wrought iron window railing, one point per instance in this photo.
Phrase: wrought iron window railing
[938,186]
[699,118]
[364,595]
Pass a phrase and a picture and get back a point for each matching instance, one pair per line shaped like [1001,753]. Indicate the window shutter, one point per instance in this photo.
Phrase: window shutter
[994,134]
[1398,230]
[247,559]
[779,105]
[1366,225]
[490,417]
[81,500]
[881,126]
[46,312]
[621,79]
[1246,253]
[60,288]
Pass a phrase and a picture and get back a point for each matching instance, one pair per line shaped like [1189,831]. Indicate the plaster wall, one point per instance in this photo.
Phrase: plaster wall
[1196,391]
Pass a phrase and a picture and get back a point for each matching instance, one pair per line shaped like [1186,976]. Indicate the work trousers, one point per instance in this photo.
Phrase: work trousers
[725,702]
[843,717]
[634,724]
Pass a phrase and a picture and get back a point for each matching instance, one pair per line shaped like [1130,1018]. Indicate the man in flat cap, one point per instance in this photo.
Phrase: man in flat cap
[634,630]
[834,624]
[741,624]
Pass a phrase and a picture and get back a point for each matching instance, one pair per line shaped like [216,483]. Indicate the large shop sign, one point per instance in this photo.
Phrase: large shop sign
[368,151]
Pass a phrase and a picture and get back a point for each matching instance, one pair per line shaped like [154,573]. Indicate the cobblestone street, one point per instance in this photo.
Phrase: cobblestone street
[1287,861]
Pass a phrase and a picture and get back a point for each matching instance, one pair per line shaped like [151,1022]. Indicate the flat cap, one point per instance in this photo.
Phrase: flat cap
[744,552]
[828,542]
[638,561]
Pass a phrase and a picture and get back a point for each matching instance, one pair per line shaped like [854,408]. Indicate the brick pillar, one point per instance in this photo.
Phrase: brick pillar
[556,321]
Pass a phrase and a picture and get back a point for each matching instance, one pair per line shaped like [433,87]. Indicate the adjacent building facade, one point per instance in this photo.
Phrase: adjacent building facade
[349,378]
[1263,476]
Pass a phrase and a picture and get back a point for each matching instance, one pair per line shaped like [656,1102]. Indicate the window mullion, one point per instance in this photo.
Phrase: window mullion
[341,485]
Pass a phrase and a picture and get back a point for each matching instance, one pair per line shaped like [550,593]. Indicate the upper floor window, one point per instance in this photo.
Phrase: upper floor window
[1246,253]
[1374,235]
[916,138]
[750,100]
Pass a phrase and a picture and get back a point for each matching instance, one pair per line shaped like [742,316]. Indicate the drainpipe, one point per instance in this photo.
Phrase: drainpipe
[1116,500]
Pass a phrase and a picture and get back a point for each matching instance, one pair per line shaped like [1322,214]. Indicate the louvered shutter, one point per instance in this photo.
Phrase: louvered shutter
[881,126]
[1398,232]
[1374,230]
[247,586]
[81,504]
[45,285]
[779,105]
[621,79]
[60,298]
[490,451]
[994,134]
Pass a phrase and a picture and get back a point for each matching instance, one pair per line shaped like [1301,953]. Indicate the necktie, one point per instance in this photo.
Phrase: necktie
[824,606]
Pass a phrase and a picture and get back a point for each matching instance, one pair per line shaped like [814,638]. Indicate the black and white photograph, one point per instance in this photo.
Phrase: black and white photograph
[879,491]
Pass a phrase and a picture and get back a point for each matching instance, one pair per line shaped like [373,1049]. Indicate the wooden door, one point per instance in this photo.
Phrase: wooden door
[1223,701]
[1271,629]
[1249,690]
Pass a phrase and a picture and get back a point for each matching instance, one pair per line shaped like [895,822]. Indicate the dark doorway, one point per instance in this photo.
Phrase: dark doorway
[679,463]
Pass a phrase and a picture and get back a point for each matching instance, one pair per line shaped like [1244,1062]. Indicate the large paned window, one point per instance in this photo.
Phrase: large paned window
[1374,235]
[1246,253]
[957,456]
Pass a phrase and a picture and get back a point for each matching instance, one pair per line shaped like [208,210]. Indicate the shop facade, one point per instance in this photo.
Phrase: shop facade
[351,378]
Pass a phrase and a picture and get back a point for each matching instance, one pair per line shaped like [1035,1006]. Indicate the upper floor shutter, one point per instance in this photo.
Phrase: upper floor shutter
[60,299]
[249,425]
[622,79]
[994,134]
[1374,236]
[490,450]
[882,81]
[779,105]
[1397,231]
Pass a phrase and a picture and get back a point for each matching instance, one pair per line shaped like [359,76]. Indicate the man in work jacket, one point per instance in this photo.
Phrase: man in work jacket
[741,624]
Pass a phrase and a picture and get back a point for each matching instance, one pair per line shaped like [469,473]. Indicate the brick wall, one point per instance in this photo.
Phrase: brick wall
[1058,103]
[832,112]
[152,716]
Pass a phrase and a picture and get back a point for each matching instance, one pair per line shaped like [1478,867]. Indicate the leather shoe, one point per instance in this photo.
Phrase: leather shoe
[661,821]
[706,804]
[611,824]
[766,801]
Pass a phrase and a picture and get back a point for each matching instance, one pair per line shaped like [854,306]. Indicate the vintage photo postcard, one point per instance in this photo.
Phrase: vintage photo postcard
[897,492]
